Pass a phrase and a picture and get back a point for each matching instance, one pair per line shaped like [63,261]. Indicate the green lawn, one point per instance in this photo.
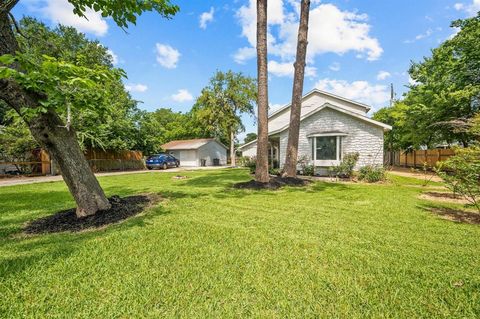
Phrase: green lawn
[328,250]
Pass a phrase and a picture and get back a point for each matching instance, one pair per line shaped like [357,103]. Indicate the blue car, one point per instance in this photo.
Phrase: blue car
[163,161]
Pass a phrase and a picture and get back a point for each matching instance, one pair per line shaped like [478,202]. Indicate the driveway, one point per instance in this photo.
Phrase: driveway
[42,179]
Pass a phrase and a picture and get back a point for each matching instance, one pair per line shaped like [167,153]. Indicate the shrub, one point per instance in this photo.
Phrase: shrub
[345,169]
[371,173]
[274,171]
[250,162]
[461,174]
[307,168]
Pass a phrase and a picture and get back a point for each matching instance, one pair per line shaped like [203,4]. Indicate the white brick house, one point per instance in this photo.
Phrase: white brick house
[330,127]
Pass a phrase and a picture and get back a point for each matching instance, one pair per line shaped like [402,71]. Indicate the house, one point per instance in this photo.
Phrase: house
[330,126]
[198,152]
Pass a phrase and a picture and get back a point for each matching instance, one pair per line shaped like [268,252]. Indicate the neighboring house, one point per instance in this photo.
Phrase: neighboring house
[198,152]
[330,126]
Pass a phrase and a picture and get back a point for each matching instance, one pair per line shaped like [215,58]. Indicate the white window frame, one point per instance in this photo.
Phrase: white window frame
[339,151]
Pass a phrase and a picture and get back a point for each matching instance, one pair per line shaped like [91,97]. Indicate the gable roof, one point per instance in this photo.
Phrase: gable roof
[334,107]
[191,144]
[317,91]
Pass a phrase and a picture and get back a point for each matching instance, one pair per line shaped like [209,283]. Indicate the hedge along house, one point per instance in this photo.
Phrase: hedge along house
[330,127]
[198,152]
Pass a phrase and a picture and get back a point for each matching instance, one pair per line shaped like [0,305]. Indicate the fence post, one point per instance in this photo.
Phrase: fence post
[414,158]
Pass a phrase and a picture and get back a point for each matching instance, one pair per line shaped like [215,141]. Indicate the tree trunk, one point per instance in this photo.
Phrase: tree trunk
[290,168]
[48,129]
[233,159]
[261,171]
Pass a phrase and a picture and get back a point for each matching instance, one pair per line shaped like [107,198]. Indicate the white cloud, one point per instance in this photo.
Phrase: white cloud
[420,36]
[362,91]
[383,75]
[330,30]
[471,9]
[335,66]
[167,56]
[182,95]
[244,54]
[61,11]
[136,87]
[114,57]
[206,17]
[273,107]
[286,69]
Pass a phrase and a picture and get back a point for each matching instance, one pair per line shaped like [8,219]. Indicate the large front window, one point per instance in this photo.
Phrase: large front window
[326,150]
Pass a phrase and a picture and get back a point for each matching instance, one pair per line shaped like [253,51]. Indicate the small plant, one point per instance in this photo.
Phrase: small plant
[427,177]
[345,169]
[371,173]
[307,168]
[249,162]
[461,174]
[274,171]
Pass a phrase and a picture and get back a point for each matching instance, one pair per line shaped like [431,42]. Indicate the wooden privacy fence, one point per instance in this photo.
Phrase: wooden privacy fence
[102,161]
[417,158]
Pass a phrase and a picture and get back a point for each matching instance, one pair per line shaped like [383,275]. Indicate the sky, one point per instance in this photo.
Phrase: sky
[356,48]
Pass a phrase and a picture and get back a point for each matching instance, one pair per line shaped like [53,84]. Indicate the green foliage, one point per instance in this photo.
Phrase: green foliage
[461,173]
[221,104]
[371,173]
[250,162]
[250,137]
[16,144]
[306,168]
[125,11]
[345,168]
[444,96]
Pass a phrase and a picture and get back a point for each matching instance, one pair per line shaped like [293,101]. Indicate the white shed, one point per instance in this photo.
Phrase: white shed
[198,152]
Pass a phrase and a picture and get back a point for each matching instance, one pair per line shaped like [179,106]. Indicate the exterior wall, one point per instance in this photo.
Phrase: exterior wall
[250,150]
[212,150]
[363,137]
[309,104]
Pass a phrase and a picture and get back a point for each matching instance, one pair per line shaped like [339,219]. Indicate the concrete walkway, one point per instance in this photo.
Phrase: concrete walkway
[42,179]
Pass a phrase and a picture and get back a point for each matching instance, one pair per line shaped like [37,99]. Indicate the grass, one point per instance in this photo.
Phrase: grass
[327,250]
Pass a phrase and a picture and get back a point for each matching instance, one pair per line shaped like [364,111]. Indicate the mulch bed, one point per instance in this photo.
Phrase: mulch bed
[457,215]
[443,197]
[274,183]
[122,208]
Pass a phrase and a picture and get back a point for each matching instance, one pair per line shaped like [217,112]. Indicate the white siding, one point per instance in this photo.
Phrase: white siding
[362,137]
[250,150]
[211,151]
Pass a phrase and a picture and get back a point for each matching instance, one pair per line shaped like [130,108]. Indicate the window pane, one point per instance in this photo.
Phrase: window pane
[326,148]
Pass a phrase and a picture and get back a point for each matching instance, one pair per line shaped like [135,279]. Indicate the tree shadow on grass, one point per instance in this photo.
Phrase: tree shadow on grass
[453,214]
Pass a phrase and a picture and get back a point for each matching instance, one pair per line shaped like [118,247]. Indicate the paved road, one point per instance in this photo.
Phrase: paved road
[42,179]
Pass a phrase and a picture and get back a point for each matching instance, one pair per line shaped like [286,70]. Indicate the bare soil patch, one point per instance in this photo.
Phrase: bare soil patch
[457,215]
[274,183]
[63,221]
[443,197]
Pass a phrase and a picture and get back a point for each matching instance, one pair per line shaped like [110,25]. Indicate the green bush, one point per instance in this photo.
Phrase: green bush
[307,169]
[461,174]
[345,169]
[274,171]
[250,162]
[371,173]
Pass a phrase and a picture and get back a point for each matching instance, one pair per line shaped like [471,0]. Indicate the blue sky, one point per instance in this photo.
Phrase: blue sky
[356,47]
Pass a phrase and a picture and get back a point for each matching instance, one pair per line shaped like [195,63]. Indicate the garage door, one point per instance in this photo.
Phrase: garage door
[188,158]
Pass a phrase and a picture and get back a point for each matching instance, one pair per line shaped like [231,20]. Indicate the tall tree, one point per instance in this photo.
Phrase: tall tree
[261,171]
[30,98]
[290,168]
[250,137]
[223,102]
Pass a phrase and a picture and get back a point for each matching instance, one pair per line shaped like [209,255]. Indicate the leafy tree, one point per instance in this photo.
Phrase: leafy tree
[250,137]
[39,104]
[220,106]
[261,171]
[445,95]
[290,168]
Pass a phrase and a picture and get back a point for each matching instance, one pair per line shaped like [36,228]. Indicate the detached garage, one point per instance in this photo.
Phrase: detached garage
[198,152]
